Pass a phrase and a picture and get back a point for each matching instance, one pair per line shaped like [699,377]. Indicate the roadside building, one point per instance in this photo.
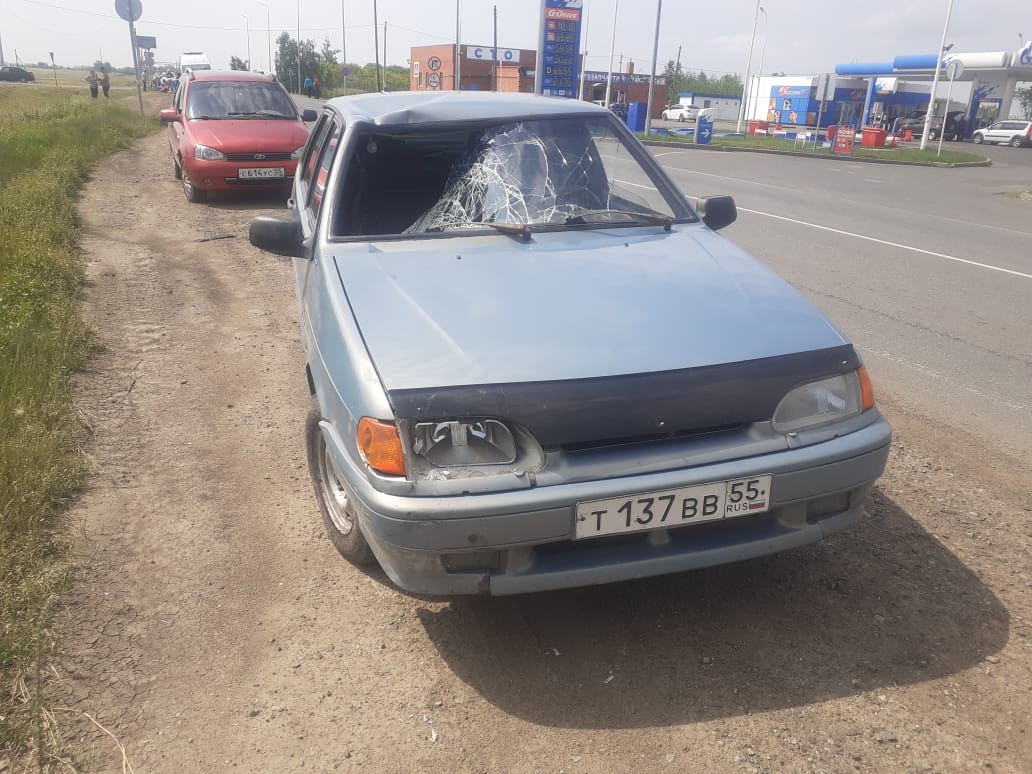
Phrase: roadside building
[433,68]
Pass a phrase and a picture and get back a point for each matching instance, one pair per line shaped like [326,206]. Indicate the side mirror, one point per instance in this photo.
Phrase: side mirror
[169,115]
[309,115]
[717,211]
[279,234]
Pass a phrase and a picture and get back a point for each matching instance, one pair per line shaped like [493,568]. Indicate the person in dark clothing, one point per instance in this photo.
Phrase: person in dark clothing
[93,82]
[105,83]
[960,126]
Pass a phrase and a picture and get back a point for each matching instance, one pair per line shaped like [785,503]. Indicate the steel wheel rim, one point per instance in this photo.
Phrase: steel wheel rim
[335,496]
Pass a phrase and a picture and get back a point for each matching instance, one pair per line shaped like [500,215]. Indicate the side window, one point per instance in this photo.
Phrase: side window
[310,155]
[327,152]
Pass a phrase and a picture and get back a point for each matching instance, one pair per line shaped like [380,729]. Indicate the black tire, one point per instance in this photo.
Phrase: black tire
[192,193]
[681,118]
[933,135]
[334,497]
[1016,141]
[976,139]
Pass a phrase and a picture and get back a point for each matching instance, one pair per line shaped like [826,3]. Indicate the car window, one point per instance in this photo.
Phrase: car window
[327,152]
[541,172]
[310,156]
[238,100]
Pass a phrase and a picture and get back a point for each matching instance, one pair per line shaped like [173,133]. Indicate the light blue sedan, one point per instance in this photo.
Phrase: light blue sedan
[535,366]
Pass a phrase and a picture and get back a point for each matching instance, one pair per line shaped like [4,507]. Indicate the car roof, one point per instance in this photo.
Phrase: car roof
[423,107]
[229,75]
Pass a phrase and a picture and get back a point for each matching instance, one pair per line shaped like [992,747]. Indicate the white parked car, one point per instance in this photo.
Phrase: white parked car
[681,113]
[1014,133]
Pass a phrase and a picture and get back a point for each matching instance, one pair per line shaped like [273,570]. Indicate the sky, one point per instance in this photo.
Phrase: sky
[797,37]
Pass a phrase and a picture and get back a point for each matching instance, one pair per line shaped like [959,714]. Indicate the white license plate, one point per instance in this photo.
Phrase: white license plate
[673,507]
[251,172]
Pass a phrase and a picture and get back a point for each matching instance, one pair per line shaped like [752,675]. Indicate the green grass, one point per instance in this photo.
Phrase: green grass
[910,154]
[49,140]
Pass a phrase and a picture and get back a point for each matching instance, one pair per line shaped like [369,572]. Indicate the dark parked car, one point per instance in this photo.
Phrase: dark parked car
[915,123]
[16,74]
[536,365]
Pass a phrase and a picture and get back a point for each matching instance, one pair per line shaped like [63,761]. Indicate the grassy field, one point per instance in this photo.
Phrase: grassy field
[49,140]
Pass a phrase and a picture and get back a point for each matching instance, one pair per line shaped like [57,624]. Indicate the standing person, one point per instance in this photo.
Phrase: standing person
[105,83]
[315,86]
[93,81]
[308,86]
[960,125]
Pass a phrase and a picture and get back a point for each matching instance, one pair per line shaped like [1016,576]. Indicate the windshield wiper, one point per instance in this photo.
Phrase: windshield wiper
[653,218]
[258,114]
[520,231]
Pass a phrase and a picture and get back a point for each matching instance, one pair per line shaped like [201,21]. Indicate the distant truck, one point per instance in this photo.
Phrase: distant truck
[193,60]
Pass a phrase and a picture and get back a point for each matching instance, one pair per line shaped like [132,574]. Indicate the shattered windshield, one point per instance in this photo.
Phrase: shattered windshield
[574,171]
[542,172]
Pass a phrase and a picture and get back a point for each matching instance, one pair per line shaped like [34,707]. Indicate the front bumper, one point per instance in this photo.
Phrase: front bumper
[225,175]
[518,542]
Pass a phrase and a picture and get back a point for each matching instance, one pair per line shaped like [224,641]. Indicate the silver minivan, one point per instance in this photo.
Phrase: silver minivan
[1014,133]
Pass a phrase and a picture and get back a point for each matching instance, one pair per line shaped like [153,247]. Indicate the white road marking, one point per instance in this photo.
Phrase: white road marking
[932,253]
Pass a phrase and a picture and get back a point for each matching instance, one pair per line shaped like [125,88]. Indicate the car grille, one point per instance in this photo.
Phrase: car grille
[257,156]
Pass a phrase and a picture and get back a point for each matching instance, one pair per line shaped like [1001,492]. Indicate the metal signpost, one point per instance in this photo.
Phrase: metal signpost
[954,69]
[131,10]
[558,47]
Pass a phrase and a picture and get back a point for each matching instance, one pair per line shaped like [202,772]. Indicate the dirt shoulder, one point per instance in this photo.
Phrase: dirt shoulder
[214,626]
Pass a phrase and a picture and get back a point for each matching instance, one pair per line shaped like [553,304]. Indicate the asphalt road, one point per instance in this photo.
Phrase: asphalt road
[928,270]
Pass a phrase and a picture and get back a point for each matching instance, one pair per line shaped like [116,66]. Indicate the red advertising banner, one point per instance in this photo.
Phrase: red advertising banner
[845,136]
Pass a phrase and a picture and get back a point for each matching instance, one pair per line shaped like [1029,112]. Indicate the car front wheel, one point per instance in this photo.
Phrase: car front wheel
[976,139]
[333,495]
[192,192]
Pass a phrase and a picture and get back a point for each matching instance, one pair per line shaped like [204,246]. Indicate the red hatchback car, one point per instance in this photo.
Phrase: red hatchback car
[232,130]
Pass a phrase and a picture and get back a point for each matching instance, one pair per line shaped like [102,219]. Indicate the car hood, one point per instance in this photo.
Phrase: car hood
[569,305]
[255,136]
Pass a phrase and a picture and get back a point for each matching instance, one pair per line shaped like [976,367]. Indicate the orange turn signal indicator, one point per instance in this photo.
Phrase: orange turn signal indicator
[380,446]
[866,389]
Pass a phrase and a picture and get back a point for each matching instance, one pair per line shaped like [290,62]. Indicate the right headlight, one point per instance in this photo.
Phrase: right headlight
[204,153]
[824,402]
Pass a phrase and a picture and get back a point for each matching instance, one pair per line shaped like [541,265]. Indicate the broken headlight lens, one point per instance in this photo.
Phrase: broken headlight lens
[457,442]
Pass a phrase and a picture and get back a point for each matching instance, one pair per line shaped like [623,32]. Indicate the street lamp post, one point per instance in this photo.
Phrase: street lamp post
[763,54]
[612,50]
[298,46]
[748,68]
[268,34]
[652,80]
[247,31]
[935,79]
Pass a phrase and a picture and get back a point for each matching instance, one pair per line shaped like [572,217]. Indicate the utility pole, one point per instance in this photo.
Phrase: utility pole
[652,80]
[376,43]
[584,56]
[494,64]
[458,45]
[298,46]
[385,56]
[677,77]
[612,46]
[344,46]
[2,62]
